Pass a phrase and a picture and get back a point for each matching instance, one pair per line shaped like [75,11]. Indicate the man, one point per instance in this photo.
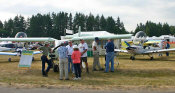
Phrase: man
[63,62]
[70,51]
[109,55]
[167,47]
[83,47]
[46,49]
[95,49]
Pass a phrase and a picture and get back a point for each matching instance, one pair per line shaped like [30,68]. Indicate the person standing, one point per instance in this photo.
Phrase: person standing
[83,47]
[76,55]
[95,49]
[45,50]
[63,62]
[70,51]
[109,55]
[167,47]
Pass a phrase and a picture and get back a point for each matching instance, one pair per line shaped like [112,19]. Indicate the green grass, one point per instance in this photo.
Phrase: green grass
[141,72]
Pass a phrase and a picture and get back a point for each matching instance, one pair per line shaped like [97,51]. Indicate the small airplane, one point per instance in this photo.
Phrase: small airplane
[90,35]
[21,37]
[140,49]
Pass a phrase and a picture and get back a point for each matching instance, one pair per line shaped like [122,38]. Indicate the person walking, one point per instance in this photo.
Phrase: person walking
[95,49]
[63,62]
[109,55]
[83,47]
[76,55]
[70,51]
[45,51]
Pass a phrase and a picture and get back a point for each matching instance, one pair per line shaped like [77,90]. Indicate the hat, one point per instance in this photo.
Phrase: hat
[75,46]
[96,38]
[46,42]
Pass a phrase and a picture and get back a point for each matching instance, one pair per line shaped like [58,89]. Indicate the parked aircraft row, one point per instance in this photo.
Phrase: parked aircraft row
[140,49]
[137,48]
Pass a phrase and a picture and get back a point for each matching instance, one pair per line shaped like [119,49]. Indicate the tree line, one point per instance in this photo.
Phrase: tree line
[154,29]
[54,24]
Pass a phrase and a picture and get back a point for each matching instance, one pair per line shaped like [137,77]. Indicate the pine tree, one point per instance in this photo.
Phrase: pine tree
[110,27]
[103,23]
[1,25]
[97,23]
[9,27]
[166,29]
[70,23]
[90,24]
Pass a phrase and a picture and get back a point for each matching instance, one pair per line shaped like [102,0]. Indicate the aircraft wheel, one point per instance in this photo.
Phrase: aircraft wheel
[55,68]
[33,58]
[133,58]
[9,59]
[152,58]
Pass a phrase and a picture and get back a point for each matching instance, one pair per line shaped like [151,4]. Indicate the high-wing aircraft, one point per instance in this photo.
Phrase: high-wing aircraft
[22,37]
[90,35]
[140,49]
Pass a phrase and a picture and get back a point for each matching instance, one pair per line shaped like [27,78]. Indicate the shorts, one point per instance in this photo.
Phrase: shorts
[84,59]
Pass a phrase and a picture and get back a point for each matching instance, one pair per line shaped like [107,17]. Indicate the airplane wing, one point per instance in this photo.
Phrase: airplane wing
[103,37]
[16,53]
[9,53]
[6,49]
[37,52]
[28,39]
[160,51]
[119,50]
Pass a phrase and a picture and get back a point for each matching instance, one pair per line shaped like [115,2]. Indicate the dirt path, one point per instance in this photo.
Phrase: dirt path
[46,90]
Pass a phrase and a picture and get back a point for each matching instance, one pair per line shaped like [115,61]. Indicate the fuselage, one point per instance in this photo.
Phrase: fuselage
[139,50]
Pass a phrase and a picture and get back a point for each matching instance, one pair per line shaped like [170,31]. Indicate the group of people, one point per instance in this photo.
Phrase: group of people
[71,58]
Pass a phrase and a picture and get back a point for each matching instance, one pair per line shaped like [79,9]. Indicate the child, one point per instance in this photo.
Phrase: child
[76,55]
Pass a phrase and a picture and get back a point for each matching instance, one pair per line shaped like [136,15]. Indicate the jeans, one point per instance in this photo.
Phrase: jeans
[44,59]
[63,66]
[109,58]
[70,63]
[77,70]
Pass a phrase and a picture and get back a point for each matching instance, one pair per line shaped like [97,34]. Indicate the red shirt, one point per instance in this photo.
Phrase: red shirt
[76,55]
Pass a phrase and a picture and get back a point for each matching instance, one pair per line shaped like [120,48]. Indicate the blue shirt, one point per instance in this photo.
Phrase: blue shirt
[167,46]
[109,47]
[63,52]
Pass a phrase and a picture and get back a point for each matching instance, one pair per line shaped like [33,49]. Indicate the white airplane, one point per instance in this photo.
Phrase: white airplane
[140,49]
[90,35]
[21,37]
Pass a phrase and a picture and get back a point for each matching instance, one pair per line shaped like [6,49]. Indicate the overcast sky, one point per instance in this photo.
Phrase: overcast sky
[131,12]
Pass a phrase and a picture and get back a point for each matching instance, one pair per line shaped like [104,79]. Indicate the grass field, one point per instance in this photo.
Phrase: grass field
[140,73]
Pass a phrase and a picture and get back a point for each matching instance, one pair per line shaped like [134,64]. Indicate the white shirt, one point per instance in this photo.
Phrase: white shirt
[95,44]
[70,49]
[83,47]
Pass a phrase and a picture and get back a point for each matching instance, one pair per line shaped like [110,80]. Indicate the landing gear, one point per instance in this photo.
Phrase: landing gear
[9,59]
[132,58]
[55,67]
[33,58]
[151,58]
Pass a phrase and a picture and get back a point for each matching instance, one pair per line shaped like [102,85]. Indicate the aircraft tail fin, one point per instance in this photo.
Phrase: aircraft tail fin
[79,31]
